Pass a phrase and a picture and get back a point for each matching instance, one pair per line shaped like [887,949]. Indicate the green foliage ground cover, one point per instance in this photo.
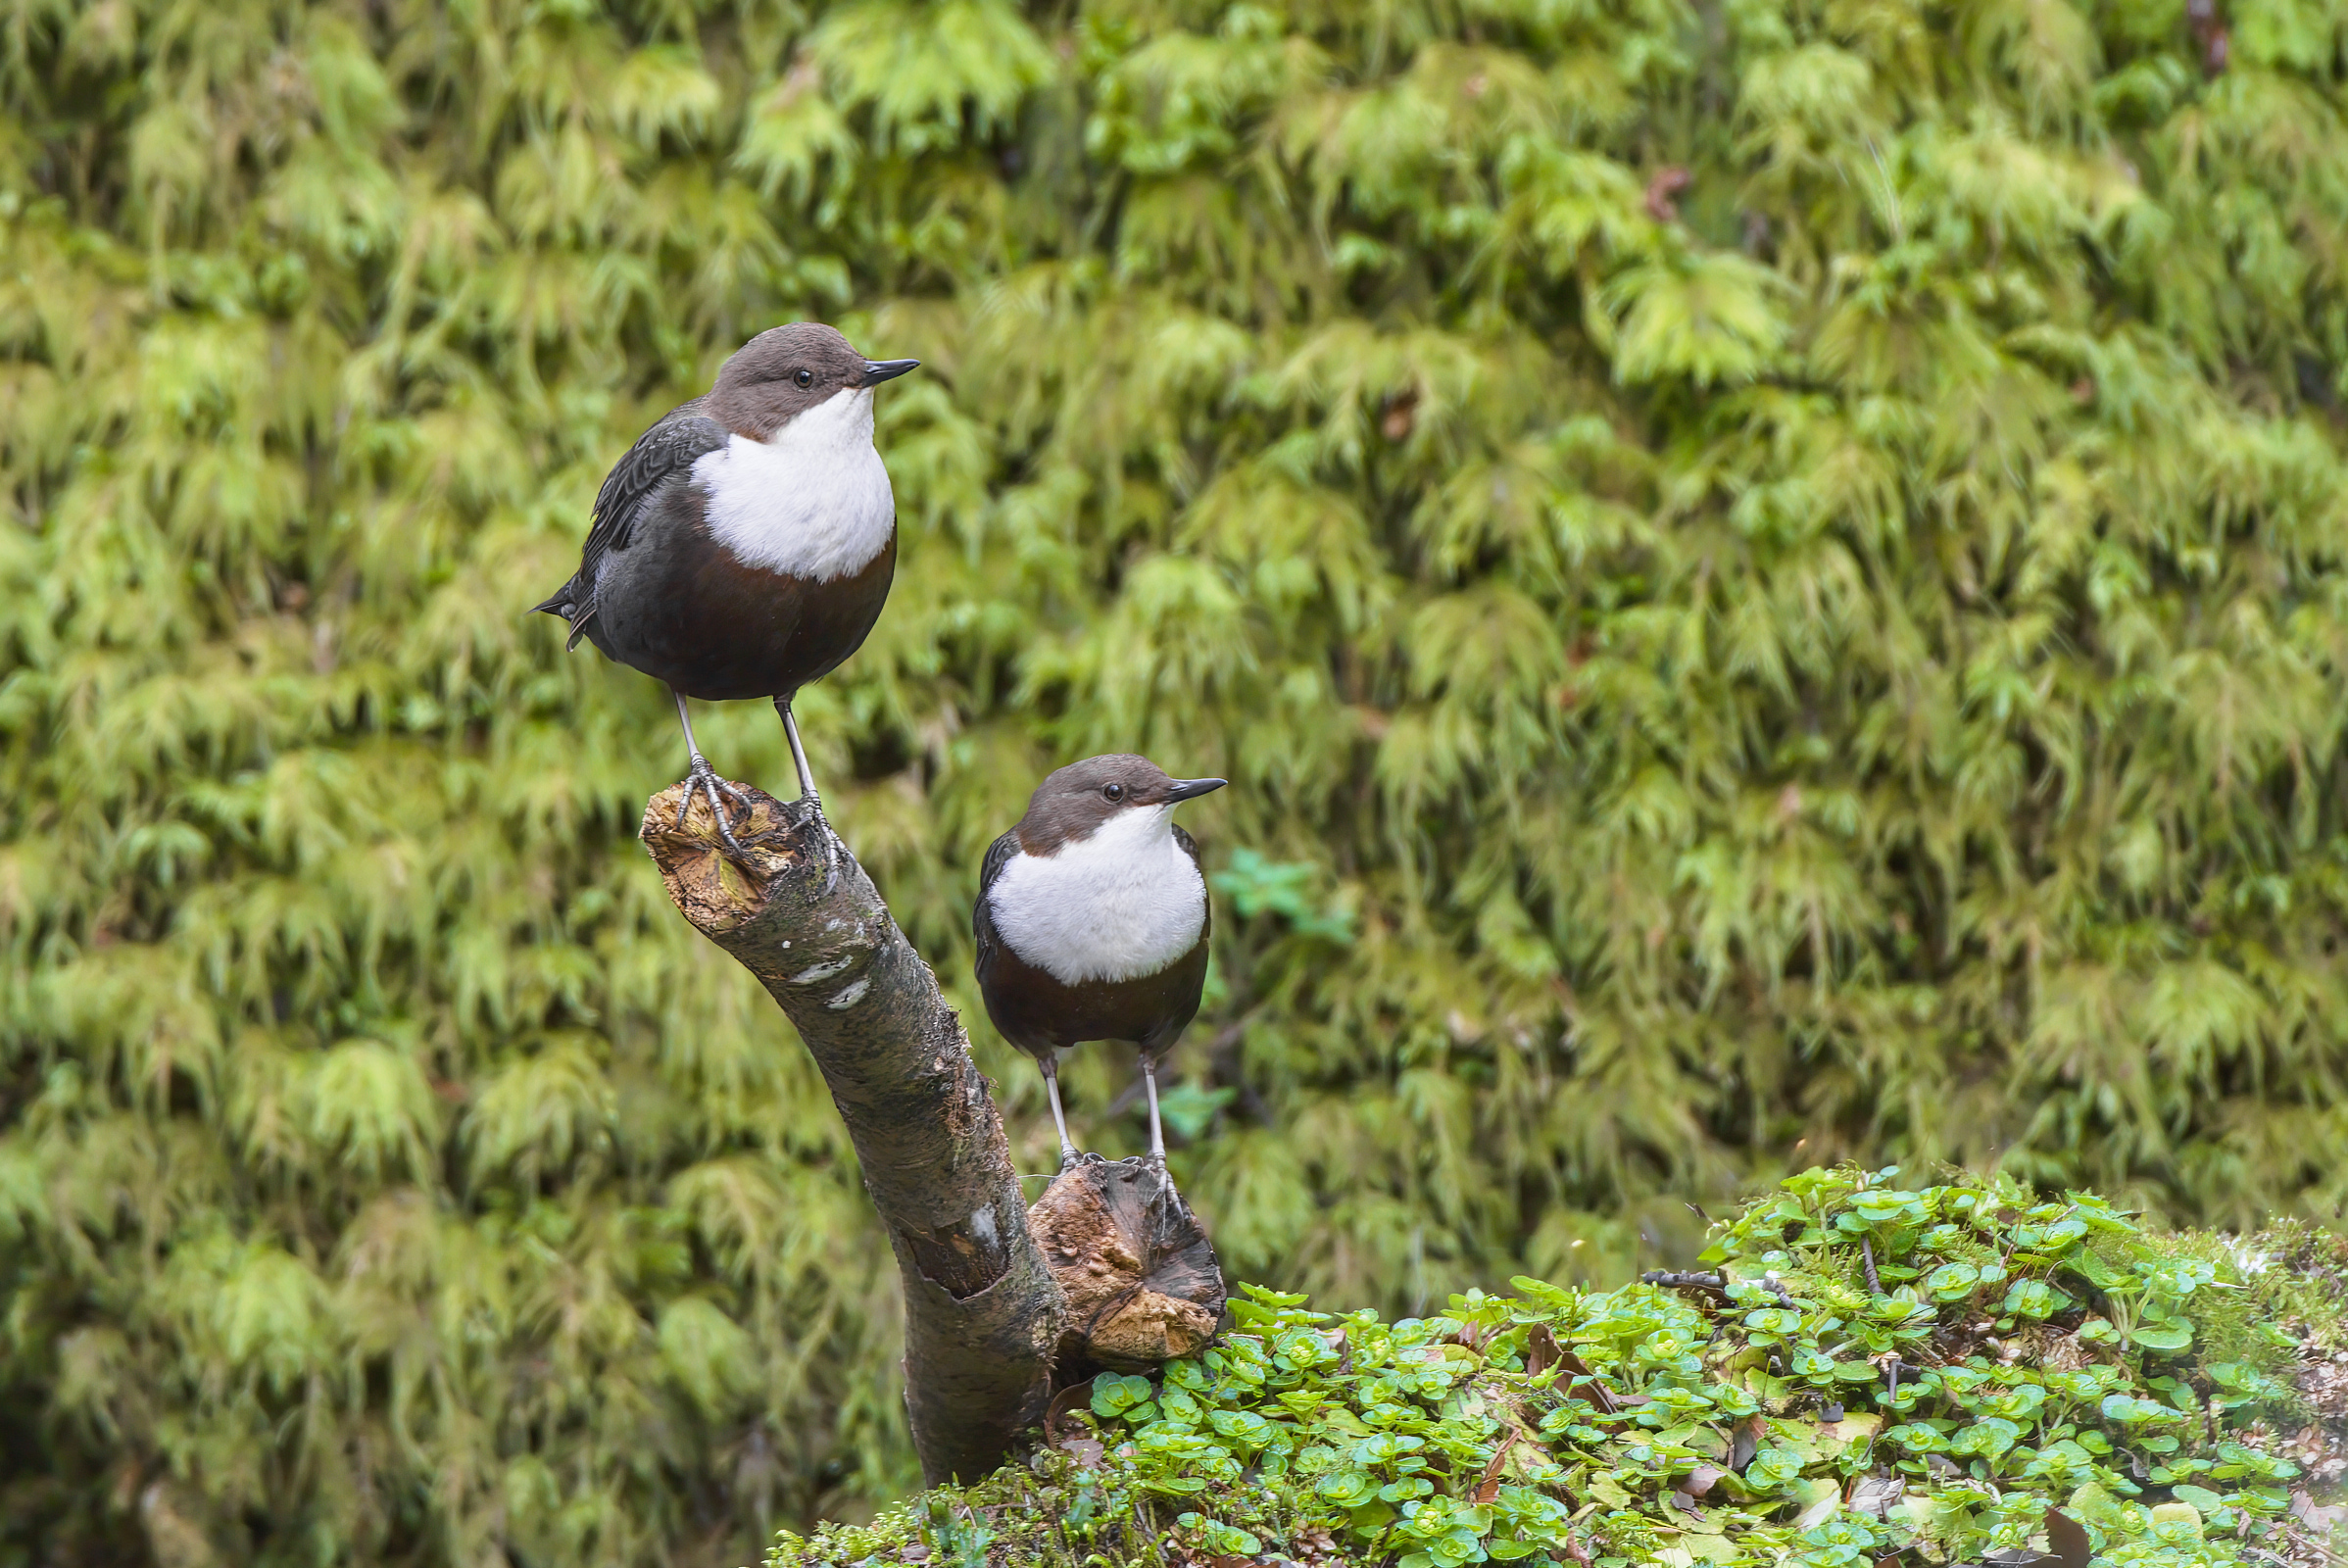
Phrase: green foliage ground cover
[1768,573]
[1873,1375]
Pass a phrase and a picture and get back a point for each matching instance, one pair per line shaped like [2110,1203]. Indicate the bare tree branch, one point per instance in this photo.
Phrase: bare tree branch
[983,1314]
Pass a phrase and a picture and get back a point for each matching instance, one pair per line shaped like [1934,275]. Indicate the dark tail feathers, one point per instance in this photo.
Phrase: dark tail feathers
[562,605]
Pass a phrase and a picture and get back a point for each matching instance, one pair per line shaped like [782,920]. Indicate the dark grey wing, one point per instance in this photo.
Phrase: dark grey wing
[982,918]
[666,452]
[669,449]
[1190,847]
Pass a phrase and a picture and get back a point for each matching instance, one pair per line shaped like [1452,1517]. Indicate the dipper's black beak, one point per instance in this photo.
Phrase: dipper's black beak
[1189,787]
[878,370]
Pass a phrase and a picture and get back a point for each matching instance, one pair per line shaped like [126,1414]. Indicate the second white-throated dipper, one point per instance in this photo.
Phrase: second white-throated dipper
[745,545]
[1092,921]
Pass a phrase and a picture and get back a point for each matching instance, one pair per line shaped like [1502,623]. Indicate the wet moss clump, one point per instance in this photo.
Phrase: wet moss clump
[1862,1373]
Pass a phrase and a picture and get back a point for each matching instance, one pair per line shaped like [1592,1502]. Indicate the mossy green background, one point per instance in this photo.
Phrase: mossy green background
[1768,575]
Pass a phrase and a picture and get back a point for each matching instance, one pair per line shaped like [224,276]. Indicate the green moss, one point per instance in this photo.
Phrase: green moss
[2299,1279]
[2010,1355]
[1842,655]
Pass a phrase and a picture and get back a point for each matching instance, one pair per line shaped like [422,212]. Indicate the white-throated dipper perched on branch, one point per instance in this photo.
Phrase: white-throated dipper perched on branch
[745,545]
[1092,921]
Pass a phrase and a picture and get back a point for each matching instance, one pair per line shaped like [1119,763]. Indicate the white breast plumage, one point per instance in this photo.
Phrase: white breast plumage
[812,500]
[1123,903]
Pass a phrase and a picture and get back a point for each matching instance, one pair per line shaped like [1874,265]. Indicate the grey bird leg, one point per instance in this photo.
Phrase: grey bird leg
[700,775]
[1069,1154]
[798,760]
[806,793]
[1157,1136]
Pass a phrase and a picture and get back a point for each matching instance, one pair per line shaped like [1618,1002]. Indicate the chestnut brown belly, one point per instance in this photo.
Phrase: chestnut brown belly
[688,613]
[1040,1013]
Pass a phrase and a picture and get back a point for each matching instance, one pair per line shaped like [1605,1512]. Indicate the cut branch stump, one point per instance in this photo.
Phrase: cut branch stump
[1123,1278]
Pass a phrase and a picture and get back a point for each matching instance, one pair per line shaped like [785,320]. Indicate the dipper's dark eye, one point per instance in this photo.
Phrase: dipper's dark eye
[1114,792]
[804,377]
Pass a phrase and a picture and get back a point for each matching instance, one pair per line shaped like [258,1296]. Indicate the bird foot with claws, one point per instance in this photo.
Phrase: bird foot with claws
[811,817]
[702,778]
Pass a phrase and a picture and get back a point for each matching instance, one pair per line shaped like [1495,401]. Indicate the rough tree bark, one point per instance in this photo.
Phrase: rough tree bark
[987,1309]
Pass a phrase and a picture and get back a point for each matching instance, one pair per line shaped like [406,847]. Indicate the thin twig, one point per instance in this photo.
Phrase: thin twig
[1875,1285]
[1717,1284]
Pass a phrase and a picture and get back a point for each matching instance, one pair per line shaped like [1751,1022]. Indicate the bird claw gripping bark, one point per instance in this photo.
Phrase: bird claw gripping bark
[1167,1193]
[812,820]
[811,802]
[702,777]
[830,841]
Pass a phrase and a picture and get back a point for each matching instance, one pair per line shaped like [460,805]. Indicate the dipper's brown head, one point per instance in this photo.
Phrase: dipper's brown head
[1075,803]
[786,370]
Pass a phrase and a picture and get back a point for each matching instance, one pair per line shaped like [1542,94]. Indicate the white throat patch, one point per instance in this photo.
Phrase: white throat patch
[1121,904]
[813,499]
